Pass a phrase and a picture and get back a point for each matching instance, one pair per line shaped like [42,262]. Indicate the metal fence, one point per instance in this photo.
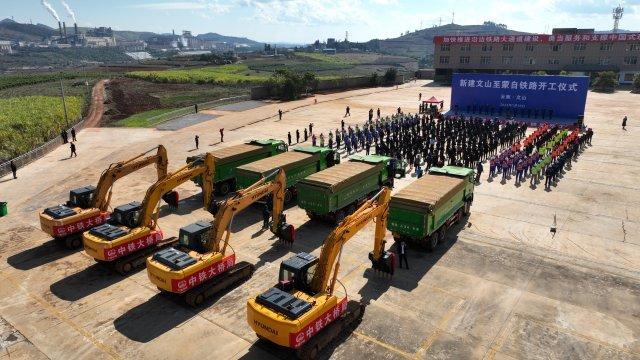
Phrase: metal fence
[40,151]
[47,147]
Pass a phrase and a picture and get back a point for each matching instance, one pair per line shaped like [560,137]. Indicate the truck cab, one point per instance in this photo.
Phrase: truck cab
[329,157]
[124,215]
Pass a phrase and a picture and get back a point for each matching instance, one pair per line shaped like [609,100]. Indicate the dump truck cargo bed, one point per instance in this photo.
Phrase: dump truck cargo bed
[428,192]
[340,176]
[297,164]
[419,210]
[346,185]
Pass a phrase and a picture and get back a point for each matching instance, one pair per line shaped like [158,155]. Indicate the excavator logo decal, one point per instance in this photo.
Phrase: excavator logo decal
[297,339]
[81,225]
[132,246]
[182,285]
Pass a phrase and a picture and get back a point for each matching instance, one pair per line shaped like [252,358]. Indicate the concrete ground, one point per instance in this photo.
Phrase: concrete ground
[502,286]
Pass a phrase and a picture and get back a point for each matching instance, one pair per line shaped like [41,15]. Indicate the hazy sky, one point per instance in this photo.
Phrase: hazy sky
[303,21]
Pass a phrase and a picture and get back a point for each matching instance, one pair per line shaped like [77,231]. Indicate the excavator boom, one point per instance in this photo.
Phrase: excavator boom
[101,195]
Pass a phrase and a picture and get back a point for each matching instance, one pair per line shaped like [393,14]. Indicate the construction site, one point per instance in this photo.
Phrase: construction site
[521,272]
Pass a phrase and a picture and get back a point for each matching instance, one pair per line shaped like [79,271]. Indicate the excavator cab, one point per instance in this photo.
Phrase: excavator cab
[194,236]
[78,198]
[81,197]
[297,272]
[127,214]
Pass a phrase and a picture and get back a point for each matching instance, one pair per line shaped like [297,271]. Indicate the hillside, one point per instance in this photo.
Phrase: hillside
[11,30]
[229,39]
[419,44]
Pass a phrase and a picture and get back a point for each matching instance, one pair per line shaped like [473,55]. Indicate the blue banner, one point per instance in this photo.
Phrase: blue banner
[534,97]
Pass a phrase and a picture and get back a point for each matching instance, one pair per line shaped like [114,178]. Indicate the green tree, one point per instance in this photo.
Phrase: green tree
[636,84]
[289,85]
[605,82]
[390,76]
[562,72]
[541,73]
[375,79]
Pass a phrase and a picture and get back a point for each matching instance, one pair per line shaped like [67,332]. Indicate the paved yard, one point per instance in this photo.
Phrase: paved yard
[502,286]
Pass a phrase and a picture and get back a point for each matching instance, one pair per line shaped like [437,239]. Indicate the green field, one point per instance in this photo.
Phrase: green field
[223,75]
[144,119]
[28,121]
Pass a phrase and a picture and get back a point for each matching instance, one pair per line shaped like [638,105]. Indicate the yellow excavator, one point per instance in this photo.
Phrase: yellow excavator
[302,312]
[132,234]
[88,206]
[198,266]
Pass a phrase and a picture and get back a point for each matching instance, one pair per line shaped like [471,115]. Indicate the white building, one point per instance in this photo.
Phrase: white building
[5,47]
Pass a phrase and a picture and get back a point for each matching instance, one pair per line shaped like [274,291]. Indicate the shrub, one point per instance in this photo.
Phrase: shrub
[605,82]
[289,85]
[390,75]
[636,84]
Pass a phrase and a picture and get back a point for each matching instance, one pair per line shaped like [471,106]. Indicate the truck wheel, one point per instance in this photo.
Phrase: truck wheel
[224,188]
[339,216]
[288,196]
[433,241]
[467,208]
[351,209]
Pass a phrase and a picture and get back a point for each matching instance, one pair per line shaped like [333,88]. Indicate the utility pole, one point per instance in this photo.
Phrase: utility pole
[64,103]
[453,14]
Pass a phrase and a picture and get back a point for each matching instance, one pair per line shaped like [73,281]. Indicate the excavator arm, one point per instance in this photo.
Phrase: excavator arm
[219,236]
[102,193]
[202,166]
[376,209]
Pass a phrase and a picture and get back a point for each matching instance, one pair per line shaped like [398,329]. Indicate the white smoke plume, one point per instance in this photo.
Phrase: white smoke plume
[72,14]
[50,9]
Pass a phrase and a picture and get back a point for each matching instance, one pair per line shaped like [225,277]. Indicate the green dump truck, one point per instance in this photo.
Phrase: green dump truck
[336,192]
[228,159]
[423,211]
[297,164]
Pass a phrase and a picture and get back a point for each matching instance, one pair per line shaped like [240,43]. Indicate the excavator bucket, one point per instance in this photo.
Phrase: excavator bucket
[172,198]
[385,264]
[287,233]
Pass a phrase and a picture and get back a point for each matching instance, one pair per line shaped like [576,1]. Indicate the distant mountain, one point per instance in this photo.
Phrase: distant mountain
[419,44]
[12,30]
[229,39]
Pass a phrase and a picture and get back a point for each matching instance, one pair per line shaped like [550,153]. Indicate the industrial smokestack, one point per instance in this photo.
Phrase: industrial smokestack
[60,28]
[75,28]
[64,27]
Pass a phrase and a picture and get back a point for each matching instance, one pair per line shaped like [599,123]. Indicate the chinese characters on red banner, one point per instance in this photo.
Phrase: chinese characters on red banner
[134,245]
[81,225]
[182,285]
[536,38]
[302,336]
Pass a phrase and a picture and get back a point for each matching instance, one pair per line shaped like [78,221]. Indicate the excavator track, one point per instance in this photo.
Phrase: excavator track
[347,322]
[137,260]
[72,242]
[241,272]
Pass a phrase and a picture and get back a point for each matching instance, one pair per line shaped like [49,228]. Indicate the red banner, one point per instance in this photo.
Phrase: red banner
[302,336]
[81,225]
[154,237]
[536,38]
[211,271]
